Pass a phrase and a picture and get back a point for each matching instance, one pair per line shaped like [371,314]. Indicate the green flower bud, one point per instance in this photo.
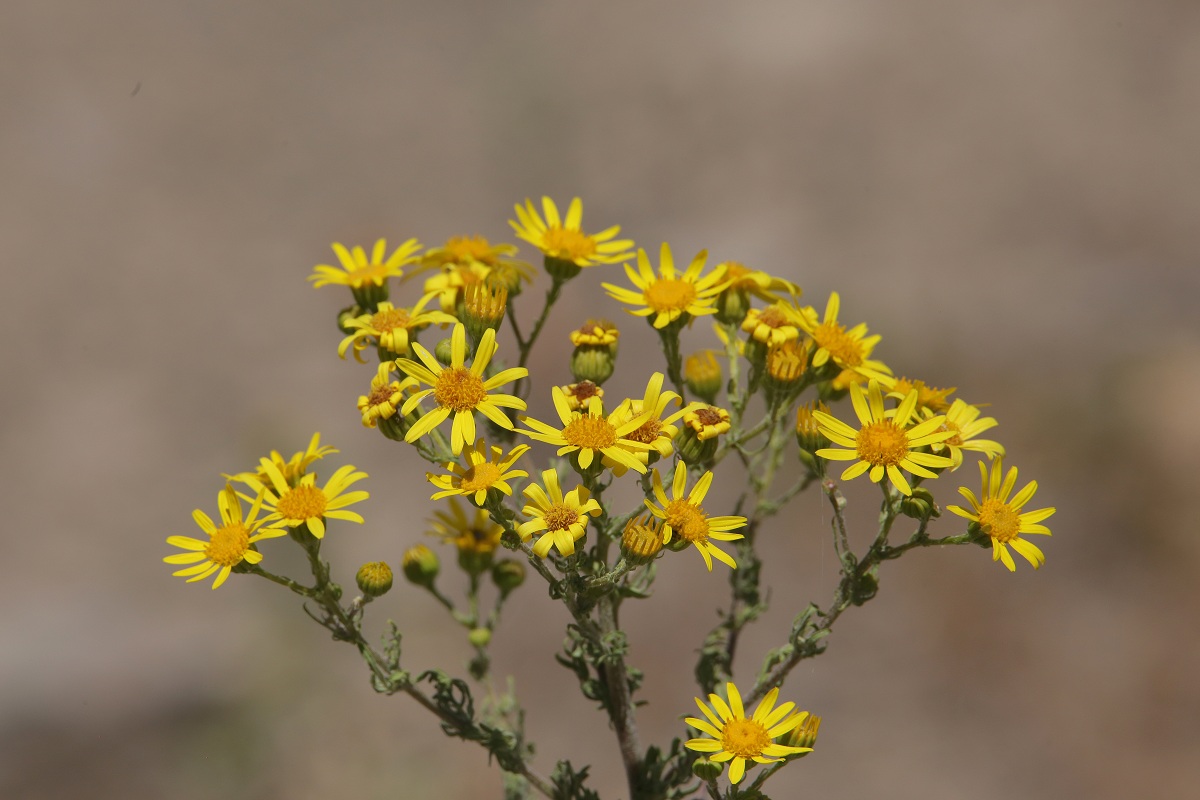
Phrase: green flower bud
[702,374]
[691,448]
[474,561]
[803,735]
[479,637]
[421,565]
[561,269]
[706,769]
[345,315]
[443,352]
[374,579]
[593,363]
[920,504]
[732,305]
[508,575]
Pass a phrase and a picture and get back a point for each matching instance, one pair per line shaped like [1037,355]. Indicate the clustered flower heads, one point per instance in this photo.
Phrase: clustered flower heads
[780,392]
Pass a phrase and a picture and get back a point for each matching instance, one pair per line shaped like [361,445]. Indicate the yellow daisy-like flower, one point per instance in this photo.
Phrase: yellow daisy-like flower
[291,469]
[686,518]
[579,394]
[563,239]
[928,397]
[563,517]
[1001,518]
[963,421]
[671,295]
[848,349]
[384,396]
[885,443]
[451,282]
[475,535]
[306,503]
[738,738]
[481,473]
[774,324]
[227,546]
[596,333]
[654,430]
[706,421]
[589,432]
[459,390]
[391,328]
[762,285]
[358,272]
[461,251]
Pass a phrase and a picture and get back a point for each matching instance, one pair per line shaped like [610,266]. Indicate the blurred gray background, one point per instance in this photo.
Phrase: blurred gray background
[1007,192]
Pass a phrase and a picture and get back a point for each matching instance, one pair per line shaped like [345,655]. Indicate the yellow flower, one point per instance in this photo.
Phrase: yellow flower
[227,546]
[654,430]
[357,271]
[590,432]
[740,738]
[563,517]
[391,328]
[706,421]
[885,443]
[462,251]
[578,394]
[474,535]
[564,240]
[702,374]
[762,285]
[1001,518]
[481,473]
[670,296]
[774,324]
[385,395]
[292,469]
[596,333]
[848,349]
[458,390]
[685,517]
[928,397]
[963,421]
[452,280]
[306,503]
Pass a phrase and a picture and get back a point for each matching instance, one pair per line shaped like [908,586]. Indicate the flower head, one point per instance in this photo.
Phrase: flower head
[848,349]
[359,272]
[1001,518]
[655,430]
[886,442]
[391,328]
[702,374]
[963,421]
[707,422]
[463,251]
[596,333]
[588,432]
[293,468]
[451,281]
[473,535]
[227,546]
[577,395]
[306,503]
[481,473]
[773,325]
[740,738]
[562,517]
[761,284]
[385,394]
[564,240]
[460,390]
[687,519]
[928,397]
[669,296]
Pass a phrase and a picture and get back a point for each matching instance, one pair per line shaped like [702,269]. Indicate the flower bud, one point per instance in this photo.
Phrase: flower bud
[595,354]
[345,315]
[479,637]
[508,575]
[421,565]
[732,305]
[706,769]
[374,579]
[444,352]
[561,269]
[642,539]
[484,304]
[508,276]
[803,735]
[920,504]
[702,374]
[475,561]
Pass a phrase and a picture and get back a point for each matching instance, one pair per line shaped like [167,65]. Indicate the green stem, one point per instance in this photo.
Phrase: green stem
[526,346]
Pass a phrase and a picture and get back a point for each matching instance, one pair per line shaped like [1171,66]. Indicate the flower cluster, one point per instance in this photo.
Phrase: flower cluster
[780,390]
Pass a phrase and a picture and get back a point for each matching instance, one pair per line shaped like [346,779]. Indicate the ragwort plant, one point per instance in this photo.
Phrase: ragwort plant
[516,494]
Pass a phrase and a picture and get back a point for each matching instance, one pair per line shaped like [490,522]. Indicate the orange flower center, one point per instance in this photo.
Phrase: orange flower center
[882,443]
[389,319]
[670,294]
[382,395]
[845,349]
[457,388]
[688,521]
[228,545]
[648,433]
[584,390]
[589,431]
[303,502]
[567,244]
[371,274]
[470,248]
[745,738]
[999,521]
[480,476]
[560,517]
[709,416]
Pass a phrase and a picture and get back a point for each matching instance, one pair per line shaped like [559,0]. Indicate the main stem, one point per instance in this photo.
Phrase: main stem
[620,706]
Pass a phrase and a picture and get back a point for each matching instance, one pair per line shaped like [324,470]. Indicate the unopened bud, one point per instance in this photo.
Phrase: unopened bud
[706,769]
[374,579]
[421,565]
[642,539]
[508,575]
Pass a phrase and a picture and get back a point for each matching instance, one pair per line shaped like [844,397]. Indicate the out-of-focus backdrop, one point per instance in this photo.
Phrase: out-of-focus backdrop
[1008,193]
